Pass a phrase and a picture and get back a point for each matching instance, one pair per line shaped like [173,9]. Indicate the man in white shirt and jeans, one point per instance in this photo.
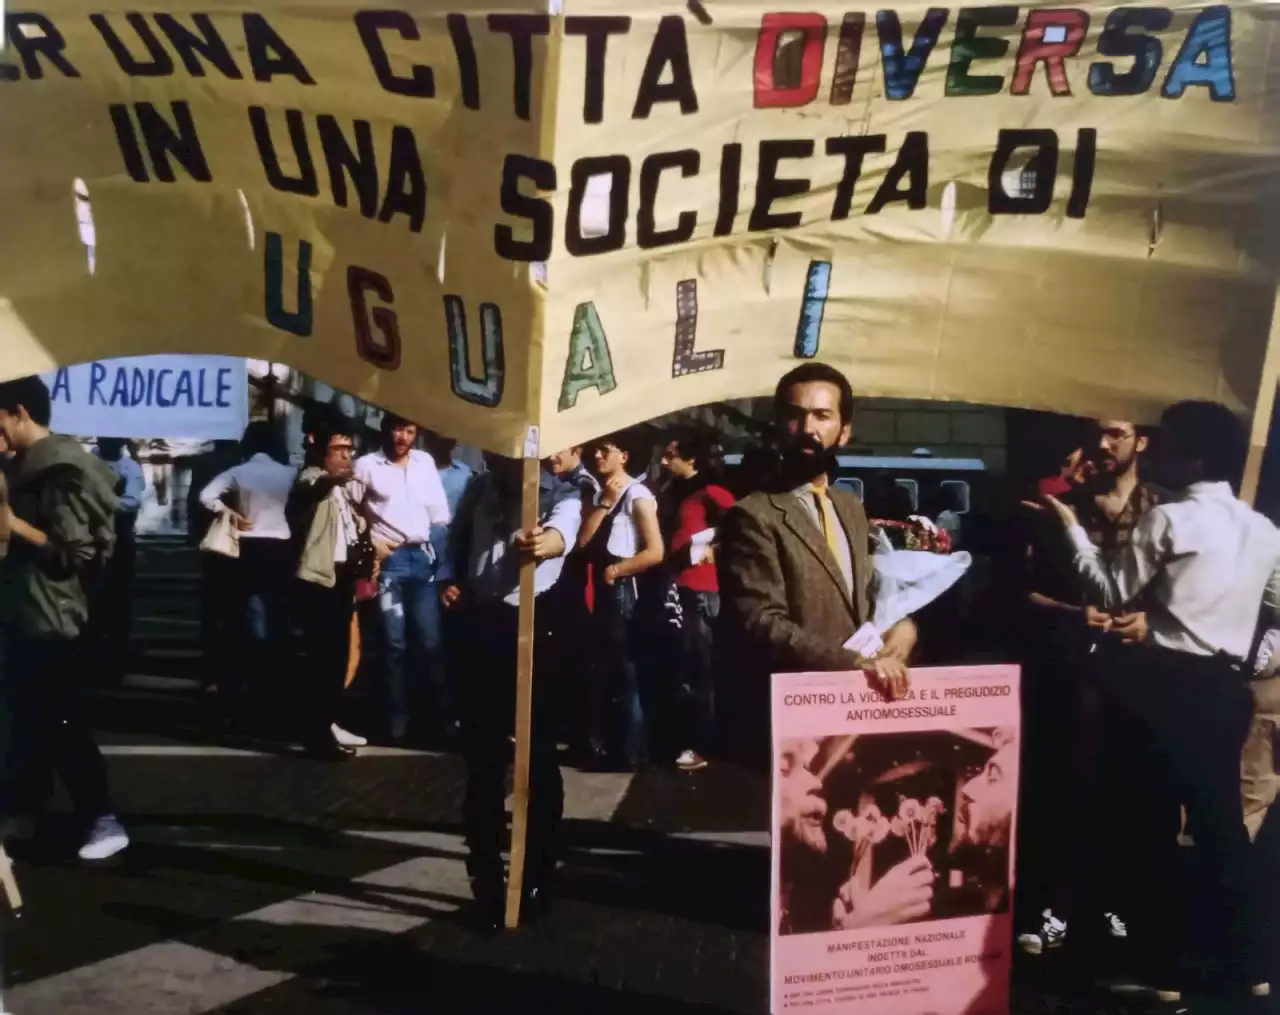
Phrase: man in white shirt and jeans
[400,494]
[1206,562]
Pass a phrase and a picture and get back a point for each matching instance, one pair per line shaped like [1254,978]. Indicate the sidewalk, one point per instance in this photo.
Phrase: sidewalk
[267,884]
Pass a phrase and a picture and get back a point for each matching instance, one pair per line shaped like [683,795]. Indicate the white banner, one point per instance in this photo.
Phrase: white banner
[205,397]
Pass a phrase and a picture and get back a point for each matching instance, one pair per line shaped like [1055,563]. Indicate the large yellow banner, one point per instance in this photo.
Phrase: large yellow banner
[575,215]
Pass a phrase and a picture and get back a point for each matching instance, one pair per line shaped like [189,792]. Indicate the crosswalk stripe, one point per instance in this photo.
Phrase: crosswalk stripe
[173,978]
[166,978]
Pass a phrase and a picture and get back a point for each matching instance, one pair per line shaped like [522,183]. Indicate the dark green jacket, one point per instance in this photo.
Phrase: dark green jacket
[69,495]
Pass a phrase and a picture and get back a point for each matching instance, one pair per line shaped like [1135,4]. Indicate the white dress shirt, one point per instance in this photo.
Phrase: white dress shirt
[400,502]
[260,490]
[1208,562]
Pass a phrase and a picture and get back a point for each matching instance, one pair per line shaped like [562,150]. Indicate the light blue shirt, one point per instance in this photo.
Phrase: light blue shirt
[134,483]
[493,569]
[455,478]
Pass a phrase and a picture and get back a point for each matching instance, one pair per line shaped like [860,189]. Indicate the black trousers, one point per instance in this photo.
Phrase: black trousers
[1195,712]
[325,615]
[260,636]
[487,698]
[43,730]
[1054,657]
[579,702]
[218,620]
[111,614]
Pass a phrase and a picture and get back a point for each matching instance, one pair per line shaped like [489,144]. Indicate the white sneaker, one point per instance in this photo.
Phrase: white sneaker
[346,738]
[106,840]
[690,761]
[1052,933]
[1116,927]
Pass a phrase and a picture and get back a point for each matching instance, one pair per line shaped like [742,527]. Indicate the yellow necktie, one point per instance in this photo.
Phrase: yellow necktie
[829,523]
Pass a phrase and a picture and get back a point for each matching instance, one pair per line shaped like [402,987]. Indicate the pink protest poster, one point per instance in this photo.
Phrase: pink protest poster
[893,843]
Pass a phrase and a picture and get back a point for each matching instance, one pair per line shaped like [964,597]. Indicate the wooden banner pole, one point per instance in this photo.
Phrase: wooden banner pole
[524,698]
[1263,409]
[548,92]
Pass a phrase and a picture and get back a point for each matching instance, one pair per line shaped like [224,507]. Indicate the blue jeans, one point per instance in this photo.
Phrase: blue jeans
[621,664]
[410,606]
[697,668]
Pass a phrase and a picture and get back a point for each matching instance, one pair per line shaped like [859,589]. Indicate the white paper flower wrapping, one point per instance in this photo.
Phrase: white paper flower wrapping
[909,580]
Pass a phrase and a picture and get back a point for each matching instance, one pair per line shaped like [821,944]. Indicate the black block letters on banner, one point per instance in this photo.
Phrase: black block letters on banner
[648,235]
[542,176]
[420,82]
[596,31]
[32,36]
[522,28]
[669,55]
[617,168]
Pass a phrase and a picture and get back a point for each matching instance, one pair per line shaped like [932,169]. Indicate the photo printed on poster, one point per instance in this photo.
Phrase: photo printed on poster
[903,827]
[893,841]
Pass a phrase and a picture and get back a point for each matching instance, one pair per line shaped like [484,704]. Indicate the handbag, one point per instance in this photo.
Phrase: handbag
[223,538]
[363,560]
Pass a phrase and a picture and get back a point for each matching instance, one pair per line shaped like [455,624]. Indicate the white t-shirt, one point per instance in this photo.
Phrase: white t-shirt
[347,531]
[624,538]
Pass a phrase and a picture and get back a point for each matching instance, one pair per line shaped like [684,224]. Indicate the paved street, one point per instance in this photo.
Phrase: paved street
[264,883]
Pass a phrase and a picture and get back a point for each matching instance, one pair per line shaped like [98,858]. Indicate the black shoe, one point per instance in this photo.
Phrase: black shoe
[488,913]
[329,750]
[536,905]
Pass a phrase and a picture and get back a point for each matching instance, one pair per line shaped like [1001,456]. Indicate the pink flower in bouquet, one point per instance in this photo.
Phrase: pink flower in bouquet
[881,831]
[917,533]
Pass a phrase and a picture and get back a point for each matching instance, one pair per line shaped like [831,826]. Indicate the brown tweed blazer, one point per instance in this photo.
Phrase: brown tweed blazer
[782,595]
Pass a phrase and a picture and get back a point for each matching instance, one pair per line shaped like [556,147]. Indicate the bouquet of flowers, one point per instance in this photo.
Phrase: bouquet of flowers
[916,533]
[917,823]
[908,579]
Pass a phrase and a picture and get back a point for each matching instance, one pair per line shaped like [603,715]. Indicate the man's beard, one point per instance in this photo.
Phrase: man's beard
[1107,473]
[804,459]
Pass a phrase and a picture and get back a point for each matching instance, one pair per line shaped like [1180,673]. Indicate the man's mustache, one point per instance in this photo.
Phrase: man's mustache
[807,442]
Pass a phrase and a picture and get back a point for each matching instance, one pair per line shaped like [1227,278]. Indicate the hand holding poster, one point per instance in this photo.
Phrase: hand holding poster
[893,842]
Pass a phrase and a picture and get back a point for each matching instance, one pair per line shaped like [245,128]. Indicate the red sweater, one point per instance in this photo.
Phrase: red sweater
[694,517]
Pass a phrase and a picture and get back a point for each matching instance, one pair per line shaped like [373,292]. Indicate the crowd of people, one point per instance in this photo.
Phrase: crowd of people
[1145,622]
[390,533]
